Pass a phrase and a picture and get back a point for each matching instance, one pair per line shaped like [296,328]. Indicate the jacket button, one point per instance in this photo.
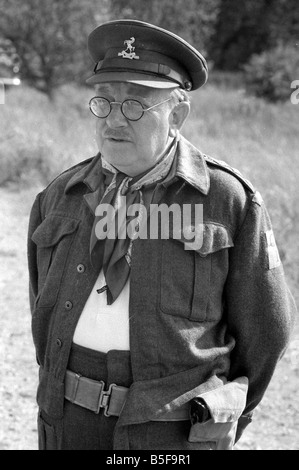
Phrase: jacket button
[80,268]
[68,305]
[59,342]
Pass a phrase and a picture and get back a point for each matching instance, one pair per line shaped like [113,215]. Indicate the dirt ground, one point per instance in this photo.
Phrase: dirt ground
[276,424]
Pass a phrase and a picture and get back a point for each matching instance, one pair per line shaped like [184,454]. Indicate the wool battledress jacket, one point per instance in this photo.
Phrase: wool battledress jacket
[211,321]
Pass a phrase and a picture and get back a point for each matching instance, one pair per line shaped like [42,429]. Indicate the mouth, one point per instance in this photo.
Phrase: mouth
[117,138]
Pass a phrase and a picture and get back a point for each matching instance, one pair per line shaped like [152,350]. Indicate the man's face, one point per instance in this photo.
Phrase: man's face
[133,146]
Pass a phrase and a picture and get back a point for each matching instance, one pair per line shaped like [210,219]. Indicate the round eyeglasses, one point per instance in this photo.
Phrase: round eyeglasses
[131,109]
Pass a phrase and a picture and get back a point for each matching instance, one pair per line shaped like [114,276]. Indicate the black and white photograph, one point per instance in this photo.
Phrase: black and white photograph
[149,227]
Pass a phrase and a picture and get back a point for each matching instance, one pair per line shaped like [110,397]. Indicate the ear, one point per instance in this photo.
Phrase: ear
[177,117]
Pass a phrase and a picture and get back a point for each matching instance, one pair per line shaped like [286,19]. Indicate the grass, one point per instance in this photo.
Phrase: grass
[39,139]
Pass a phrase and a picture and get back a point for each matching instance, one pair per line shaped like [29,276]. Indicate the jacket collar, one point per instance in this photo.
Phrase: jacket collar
[191,166]
[91,175]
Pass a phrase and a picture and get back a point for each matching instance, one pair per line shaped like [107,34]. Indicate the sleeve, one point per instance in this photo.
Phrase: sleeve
[34,221]
[259,307]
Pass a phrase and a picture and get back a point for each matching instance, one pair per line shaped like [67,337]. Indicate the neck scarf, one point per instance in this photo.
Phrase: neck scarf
[114,254]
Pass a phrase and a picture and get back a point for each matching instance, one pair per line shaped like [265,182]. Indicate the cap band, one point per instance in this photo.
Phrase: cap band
[147,68]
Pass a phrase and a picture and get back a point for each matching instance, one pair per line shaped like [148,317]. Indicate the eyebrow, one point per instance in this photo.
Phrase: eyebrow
[103,88]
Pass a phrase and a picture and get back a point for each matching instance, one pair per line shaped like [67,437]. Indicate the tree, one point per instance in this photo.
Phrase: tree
[251,27]
[283,21]
[50,38]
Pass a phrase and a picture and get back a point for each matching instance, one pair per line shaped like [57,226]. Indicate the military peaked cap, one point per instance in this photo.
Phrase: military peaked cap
[145,54]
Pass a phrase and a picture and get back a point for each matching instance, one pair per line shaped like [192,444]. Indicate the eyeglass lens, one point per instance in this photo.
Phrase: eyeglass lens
[131,109]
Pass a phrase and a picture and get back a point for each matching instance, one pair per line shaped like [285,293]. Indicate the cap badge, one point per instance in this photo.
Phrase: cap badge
[129,52]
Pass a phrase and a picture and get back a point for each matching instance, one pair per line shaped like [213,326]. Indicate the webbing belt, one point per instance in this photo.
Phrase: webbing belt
[91,394]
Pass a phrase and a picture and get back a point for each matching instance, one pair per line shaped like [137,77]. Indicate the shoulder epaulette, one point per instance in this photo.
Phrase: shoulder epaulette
[224,166]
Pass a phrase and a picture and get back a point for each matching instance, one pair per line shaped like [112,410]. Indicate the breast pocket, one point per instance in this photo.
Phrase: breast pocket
[53,239]
[192,279]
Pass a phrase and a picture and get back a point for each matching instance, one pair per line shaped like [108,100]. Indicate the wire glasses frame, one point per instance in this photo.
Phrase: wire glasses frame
[131,109]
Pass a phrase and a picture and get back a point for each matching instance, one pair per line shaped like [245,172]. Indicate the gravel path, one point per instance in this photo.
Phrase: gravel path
[276,425]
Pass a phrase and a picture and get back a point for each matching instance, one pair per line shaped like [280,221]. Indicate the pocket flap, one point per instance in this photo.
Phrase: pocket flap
[206,238]
[52,229]
[227,403]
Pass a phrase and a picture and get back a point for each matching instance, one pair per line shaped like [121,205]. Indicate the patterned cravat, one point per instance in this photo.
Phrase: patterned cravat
[114,254]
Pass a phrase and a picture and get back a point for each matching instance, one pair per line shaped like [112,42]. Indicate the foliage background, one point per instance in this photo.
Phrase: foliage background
[49,37]
[46,126]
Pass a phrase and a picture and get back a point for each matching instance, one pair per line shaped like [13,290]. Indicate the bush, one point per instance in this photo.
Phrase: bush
[271,73]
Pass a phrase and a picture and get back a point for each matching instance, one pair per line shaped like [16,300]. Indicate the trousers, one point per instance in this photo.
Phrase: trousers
[85,430]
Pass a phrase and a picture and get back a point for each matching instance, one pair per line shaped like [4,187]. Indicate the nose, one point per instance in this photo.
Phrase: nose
[116,118]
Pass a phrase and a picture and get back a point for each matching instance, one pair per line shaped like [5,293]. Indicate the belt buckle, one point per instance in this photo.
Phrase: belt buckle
[105,399]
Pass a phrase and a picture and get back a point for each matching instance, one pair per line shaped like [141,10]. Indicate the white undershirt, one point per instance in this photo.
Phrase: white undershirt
[104,327]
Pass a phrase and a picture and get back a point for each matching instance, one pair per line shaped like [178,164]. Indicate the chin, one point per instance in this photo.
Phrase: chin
[118,162]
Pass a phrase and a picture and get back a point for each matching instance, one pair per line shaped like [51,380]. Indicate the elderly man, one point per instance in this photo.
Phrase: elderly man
[147,341]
